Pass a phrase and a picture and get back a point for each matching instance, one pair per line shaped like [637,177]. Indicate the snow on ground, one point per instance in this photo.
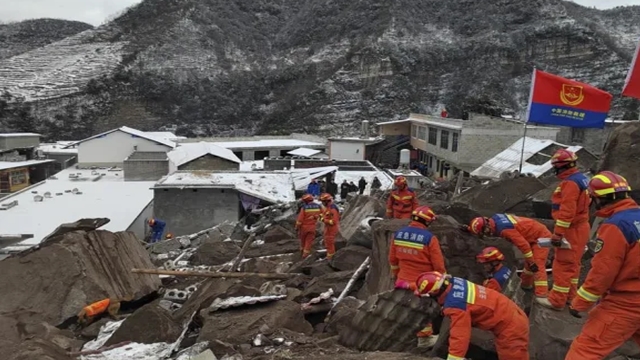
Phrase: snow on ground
[109,196]
[386,180]
[267,143]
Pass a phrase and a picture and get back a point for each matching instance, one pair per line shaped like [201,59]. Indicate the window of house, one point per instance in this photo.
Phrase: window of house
[454,142]
[577,135]
[422,133]
[444,139]
[17,177]
[414,131]
[433,136]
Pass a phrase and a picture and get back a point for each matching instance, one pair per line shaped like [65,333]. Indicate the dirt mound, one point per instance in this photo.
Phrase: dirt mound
[622,154]
[74,270]
[500,196]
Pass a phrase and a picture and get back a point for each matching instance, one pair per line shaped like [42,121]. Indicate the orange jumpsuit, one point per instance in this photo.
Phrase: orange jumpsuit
[524,234]
[615,279]
[97,308]
[401,203]
[498,279]
[415,250]
[469,305]
[331,220]
[306,225]
[570,209]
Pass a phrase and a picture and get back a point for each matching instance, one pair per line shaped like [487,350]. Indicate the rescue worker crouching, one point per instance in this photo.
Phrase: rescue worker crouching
[491,259]
[613,283]
[331,219]
[469,305]
[570,210]
[157,228]
[524,234]
[413,251]
[402,200]
[306,223]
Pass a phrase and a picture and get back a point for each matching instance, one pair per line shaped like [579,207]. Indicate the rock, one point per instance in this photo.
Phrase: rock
[459,211]
[277,233]
[281,247]
[208,291]
[38,349]
[389,321]
[342,315]
[293,293]
[213,252]
[481,344]
[239,290]
[500,196]
[240,325]
[552,333]
[164,247]
[336,281]
[149,324]
[459,249]
[92,331]
[318,268]
[349,258]
[205,355]
[621,154]
[359,208]
[259,265]
[74,270]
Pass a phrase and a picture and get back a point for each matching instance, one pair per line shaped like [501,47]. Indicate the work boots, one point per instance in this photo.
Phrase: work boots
[546,303]
[427,342]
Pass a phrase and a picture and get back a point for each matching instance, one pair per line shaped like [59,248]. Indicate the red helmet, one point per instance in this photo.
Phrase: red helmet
[152,221]
[429,283]
[481,226]
[326,197]
[563,157]
[423,214]
[307,198]
[400,180]
[606,183]
[489,254]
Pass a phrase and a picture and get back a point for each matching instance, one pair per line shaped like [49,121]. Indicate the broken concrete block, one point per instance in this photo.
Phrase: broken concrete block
[359,208]
[212,252]
[500,196]
[553,331]
[240,325]
[73,271]
[205,355]
[207,292]
[259,265]
[389,321]
[342,315]
[621,153]
[276,233]
[149,324]
[281,247]
[349,258]
[336,281]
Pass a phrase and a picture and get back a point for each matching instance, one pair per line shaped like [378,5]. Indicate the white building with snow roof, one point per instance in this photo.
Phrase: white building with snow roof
[203,156]
[112,147]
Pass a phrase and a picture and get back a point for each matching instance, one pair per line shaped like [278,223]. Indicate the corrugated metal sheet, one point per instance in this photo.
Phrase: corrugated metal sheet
[509,159]
[242,300]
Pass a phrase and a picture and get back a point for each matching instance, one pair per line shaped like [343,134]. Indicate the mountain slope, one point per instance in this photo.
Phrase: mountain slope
[19,37]
[270,66]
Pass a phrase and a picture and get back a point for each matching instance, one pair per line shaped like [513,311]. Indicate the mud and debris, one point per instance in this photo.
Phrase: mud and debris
[263,300]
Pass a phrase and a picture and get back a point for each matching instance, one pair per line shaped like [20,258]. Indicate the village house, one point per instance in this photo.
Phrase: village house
[591,139]
[19,166]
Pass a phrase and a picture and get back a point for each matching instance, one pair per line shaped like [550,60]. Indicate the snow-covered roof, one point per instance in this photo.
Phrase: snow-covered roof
[304,152]
[5,165]
[271,186]
[56,148]
[166,135]
[302,177]
[18,134]
[268,143]
[509,159]
[252,165]
[109,196]
[368,140]
[396,172]
[130,131]
[188,152]
[393,122]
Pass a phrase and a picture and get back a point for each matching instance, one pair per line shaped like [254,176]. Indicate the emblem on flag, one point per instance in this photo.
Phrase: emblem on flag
[571,94]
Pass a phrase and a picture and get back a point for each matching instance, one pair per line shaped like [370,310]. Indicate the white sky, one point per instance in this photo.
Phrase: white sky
[96,11]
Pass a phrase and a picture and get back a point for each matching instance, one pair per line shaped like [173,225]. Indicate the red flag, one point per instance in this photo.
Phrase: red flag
[632,83]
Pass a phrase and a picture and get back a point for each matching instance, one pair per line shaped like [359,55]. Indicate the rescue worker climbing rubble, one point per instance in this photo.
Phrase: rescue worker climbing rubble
[306,223]
[402,200]
[570,210]
[524,234]
[331,219]
[614,278]
[157,228]
[469,305]
[413,251]
[491,259]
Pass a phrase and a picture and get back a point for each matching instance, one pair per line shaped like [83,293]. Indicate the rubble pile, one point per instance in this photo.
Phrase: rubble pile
[238,291]
[621,154]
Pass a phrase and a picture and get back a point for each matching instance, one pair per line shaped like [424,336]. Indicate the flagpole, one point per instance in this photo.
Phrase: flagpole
[527,116]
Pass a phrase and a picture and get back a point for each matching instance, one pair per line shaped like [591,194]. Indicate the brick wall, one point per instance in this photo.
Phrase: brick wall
[145,170]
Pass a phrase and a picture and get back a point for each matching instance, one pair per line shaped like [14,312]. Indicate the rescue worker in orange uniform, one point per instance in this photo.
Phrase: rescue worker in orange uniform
[491,259]
[613,283]
[306,223]
[331,219]
[469,305]
[570,209]
[524,234]
[415,250]
[402,200]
